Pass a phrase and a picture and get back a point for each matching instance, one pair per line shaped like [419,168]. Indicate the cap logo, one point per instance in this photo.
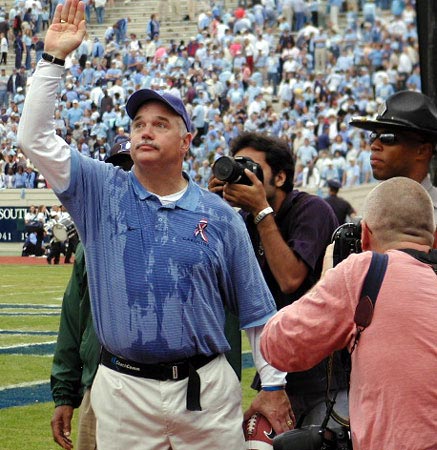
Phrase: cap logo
[382,109]
[124,146]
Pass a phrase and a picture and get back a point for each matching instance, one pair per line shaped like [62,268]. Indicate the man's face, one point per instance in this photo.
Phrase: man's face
[260,158]
[158,137]
[397,159]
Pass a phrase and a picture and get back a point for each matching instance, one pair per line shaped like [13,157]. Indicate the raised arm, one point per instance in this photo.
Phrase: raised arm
[36,131]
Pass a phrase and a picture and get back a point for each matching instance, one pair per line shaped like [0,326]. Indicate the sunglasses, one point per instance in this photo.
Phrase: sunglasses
[393,138]
[385,138]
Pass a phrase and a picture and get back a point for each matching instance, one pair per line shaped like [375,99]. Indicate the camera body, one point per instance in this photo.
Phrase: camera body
[313,437]
[347,240]
[231,170]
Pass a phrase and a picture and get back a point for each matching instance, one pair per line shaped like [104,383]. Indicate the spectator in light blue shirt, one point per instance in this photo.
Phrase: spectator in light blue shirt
[20,178]
[30,177]
[87,76]
[74,114]
[306,153]
[414,81]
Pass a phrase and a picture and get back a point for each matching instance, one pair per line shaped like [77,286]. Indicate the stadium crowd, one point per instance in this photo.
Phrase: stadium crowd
[289,68]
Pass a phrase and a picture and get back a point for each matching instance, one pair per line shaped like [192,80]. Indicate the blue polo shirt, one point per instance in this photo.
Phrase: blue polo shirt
[159,276]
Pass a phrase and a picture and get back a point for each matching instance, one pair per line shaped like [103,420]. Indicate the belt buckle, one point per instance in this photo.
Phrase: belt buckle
[175,372]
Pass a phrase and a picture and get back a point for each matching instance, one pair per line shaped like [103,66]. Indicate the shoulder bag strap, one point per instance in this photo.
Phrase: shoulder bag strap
[369,293]
[363,317]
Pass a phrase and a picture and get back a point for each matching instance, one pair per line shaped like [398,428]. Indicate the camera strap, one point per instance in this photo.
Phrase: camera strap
[369,293]
[363,318]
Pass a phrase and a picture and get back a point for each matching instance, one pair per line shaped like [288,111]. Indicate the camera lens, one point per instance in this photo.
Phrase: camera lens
[225,169]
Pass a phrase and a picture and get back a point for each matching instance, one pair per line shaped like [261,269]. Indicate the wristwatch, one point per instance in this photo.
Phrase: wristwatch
[52,59]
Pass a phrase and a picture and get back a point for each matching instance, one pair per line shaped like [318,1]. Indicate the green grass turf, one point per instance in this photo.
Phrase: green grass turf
[18,339]
[16,369]
[38,285]
[28,427]
[29,323]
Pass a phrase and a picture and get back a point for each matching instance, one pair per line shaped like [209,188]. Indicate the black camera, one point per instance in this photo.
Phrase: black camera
[313,437]
[231,169]
[347,240]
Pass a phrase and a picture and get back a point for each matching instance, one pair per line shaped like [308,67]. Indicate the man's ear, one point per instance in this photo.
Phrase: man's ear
[280,179]
[366,235]
[425,150]
[186,141]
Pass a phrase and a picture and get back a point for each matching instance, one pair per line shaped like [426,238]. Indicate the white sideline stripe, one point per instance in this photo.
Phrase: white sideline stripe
[33,344]
[29,305]
[12,333]
[48,355]
[10,294]
[22,385]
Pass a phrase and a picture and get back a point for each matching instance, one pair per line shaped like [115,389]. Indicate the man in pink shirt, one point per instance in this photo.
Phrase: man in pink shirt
[393,391]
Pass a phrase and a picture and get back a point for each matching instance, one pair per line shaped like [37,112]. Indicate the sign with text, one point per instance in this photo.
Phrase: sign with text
[12,228]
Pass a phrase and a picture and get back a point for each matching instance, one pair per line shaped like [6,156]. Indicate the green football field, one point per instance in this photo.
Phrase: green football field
[30,305]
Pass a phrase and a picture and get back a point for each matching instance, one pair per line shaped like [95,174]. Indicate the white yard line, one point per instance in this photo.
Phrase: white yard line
[27,345]
[23,385]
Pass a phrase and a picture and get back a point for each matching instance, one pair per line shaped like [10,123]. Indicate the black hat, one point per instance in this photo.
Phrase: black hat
[334,184]
[404,110]
[120,155]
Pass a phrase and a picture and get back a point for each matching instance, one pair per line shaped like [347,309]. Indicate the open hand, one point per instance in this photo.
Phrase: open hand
[67,30]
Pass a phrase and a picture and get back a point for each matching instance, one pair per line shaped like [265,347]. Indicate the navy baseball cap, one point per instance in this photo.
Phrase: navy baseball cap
[138,98]
[334,184]
[119,155]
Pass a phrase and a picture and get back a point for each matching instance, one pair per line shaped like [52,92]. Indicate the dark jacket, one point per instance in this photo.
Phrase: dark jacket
[77,349]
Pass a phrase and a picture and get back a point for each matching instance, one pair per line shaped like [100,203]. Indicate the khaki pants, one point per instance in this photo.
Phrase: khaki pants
[320,57]
[86,437]
[141,413]
[333,16]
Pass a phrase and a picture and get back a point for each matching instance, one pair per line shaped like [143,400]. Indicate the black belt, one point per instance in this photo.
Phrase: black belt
[178,370]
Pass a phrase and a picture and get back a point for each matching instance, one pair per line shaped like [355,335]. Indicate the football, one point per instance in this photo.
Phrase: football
[258,433]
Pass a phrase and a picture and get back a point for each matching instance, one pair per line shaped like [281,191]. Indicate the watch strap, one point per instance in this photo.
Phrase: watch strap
[52,59]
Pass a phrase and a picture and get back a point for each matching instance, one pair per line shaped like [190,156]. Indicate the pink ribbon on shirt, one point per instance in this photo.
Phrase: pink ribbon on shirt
[200,229]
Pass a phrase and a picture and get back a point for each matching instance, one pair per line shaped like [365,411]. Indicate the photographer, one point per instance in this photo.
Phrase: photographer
[289,231]
[393,397]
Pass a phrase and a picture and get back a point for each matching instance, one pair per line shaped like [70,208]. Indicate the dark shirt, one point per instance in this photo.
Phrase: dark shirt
[341,207]
[306,223]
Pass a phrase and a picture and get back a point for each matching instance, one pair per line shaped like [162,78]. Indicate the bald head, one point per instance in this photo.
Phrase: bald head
[399,210]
